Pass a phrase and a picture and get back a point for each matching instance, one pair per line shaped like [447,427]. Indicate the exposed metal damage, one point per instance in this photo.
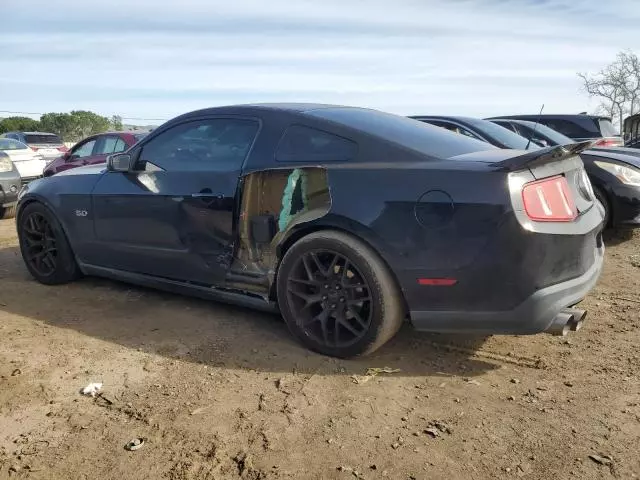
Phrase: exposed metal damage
[272,203]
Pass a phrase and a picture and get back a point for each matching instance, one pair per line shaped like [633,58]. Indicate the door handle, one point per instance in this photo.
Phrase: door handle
[218,196]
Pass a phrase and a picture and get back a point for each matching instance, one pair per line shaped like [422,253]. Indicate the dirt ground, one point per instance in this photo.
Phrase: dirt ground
[220,392]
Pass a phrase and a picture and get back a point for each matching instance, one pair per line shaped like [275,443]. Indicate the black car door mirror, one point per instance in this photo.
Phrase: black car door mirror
[120,162]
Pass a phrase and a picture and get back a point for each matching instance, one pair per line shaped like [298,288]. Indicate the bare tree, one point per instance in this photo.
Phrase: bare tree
[617,85]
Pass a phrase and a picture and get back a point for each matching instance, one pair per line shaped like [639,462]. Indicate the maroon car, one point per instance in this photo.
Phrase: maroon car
[93,150]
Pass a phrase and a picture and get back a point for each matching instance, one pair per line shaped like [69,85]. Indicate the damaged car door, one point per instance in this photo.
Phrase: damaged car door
[172,214]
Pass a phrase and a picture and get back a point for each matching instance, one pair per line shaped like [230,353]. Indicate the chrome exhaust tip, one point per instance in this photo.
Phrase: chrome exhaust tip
[561,324]
[568,320]
[578,319]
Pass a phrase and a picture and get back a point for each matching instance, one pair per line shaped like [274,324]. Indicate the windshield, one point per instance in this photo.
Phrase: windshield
[11,144]
[506,137]
[421,137]
[607,129]
[43,139]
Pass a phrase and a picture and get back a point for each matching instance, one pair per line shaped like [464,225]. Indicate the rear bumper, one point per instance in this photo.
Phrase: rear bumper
[534,315]
[9,188]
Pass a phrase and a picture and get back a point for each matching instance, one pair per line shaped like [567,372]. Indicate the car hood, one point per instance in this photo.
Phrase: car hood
[86,170]
[632,160]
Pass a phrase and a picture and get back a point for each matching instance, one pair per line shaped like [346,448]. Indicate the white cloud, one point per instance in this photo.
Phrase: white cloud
[157,59]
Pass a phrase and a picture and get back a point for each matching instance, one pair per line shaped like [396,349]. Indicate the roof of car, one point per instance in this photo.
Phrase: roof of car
[39,133]
[514,120]
[445,117]
[552,116]
[283,107]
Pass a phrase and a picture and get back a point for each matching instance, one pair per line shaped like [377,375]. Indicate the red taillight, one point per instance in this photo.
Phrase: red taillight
[63,149]
[549,200]
[437,282]
[34,149]
[608,142]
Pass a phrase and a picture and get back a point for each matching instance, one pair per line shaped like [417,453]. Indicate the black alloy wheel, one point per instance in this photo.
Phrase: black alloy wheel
[44,246]
[330,298]
[337,295]
[41,252]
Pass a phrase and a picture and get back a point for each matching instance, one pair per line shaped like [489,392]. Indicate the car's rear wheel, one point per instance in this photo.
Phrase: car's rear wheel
[7,212]
[338,296]
[44,246]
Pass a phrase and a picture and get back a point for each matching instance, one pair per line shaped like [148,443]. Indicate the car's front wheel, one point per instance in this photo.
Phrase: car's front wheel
[338,296]
[44,246]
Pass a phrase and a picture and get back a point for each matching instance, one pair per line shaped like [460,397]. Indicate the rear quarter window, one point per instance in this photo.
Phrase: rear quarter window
[305,144]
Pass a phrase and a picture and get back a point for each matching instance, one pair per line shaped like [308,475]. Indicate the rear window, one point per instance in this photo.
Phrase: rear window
[305,144]
[43,139]
[606,128]
[570,129]
[139,136]
[406,132]
[11,144]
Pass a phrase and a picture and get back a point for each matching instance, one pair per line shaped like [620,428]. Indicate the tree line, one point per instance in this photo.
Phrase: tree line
[71,127]
[617,86]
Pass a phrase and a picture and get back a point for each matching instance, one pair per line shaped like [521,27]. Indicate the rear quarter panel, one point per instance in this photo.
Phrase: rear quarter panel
[421,216]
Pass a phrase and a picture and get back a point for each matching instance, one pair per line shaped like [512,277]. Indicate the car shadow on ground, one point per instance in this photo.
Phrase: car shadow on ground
[616,236]
[212,333]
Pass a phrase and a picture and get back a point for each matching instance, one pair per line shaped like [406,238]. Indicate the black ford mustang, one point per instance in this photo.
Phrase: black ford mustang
[347,220]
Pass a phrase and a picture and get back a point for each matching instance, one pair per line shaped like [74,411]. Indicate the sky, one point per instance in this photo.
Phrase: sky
[150,60]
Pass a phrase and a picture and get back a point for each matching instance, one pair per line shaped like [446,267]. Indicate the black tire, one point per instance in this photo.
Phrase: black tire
[7,212]
[369,307]
[602,198]
[45,249]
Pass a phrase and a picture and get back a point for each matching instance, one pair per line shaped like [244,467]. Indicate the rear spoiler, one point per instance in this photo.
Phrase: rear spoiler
[542,156]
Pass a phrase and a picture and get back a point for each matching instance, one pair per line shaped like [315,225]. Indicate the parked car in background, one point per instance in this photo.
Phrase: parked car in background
[631,131]
[298,208]
[539,133]
[578,127]
[93,150]
[48,145]
[614,172]
[483,130]
[30,164]
[545,136]
[9,186]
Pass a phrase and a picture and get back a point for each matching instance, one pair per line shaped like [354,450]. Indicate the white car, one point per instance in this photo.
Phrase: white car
[49,145]
[29,164]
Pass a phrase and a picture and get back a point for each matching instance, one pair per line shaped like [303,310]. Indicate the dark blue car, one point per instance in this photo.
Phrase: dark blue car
[347,220]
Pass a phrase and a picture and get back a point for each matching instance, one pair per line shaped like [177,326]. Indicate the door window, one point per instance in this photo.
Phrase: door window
[120,146]
[84,150]
[109,145]
[106,145]
[215,144]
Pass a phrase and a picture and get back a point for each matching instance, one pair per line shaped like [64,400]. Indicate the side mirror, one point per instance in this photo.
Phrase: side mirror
[119,162]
